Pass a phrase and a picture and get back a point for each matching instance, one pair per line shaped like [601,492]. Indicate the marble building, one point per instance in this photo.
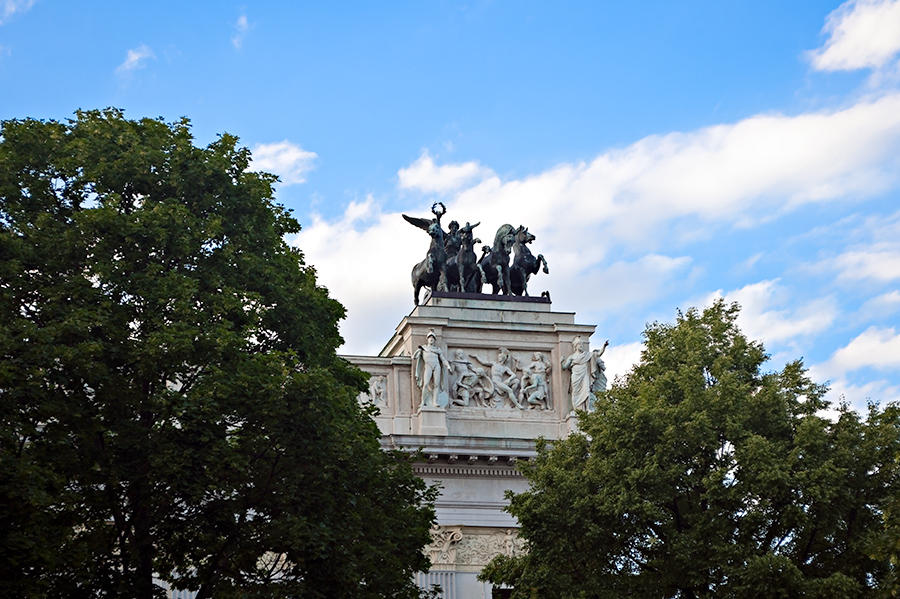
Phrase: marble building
[472,381]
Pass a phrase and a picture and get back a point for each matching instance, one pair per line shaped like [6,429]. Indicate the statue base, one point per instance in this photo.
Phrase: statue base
[431,420]
[572,423]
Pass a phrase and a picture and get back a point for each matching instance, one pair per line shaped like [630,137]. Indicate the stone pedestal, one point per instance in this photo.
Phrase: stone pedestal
[431,421]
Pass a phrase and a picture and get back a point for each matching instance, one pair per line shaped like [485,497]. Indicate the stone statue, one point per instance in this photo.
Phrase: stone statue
[584,367]
[471,384]
[599,383]
[432,271]
[524,263]
[431,372]
[535,392]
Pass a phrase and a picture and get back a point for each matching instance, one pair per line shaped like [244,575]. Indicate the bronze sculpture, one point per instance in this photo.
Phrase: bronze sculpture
[451,263]
[524,263]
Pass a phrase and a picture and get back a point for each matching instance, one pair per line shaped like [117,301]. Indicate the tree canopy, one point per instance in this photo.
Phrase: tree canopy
[699,475]
[171,403]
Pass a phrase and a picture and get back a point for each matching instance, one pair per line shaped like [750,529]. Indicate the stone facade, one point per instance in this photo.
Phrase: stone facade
[502,386]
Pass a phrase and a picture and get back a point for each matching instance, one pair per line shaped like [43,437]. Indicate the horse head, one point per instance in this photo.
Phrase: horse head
[523,236]
[434,229]
[504,238]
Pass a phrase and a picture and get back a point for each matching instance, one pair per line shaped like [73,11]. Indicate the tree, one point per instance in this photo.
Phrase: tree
[698,475]
[171,403]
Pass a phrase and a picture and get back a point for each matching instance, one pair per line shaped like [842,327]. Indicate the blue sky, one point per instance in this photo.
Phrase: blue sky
[664,153]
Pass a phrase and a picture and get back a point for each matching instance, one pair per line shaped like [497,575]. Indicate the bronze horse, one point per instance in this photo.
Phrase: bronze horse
[524,263]
[432,271]
[495,264]
[462,269]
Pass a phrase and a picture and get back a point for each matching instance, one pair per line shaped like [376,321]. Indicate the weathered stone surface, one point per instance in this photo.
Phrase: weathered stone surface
[505,383]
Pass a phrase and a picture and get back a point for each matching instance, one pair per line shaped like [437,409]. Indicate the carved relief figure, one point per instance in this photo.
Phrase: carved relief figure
[377,390]
[582,365]
[535,392]
[431,372]
[504,377]
[471,383]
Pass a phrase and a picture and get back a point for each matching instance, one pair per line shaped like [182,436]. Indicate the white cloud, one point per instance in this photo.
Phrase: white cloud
[858,396]
[633,200]
[425,175]
[761,318]
[364,259]
[607,289]
[135,58]
[876,254]
[882,305]
[10,7]
[241,26]
[877,348]
[861,34]
[873,348]
[620,359]
[285,159]
[880,262]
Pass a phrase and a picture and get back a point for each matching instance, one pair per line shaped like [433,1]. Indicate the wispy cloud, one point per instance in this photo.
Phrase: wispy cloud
[135,58]
[770,314]
[880,262]
[285,159]
[10,7]
[620,359]
[623,200]
[862,34]
[241,26]
[873,254]
[425,175]
[875,347]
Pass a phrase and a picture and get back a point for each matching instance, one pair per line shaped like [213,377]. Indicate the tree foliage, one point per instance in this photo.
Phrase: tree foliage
[698,475]
[171,403]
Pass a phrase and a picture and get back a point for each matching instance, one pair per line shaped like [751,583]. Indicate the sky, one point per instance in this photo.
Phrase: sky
[664,154]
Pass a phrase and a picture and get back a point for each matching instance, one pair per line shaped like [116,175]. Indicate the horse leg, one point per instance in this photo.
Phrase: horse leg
[544,260]
[479,279]
[416,292]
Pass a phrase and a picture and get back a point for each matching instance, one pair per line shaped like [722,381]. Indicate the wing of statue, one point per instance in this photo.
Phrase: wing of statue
[422,223]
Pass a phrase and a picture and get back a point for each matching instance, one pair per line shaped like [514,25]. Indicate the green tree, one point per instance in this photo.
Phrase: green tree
[698,475]
[171,403]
